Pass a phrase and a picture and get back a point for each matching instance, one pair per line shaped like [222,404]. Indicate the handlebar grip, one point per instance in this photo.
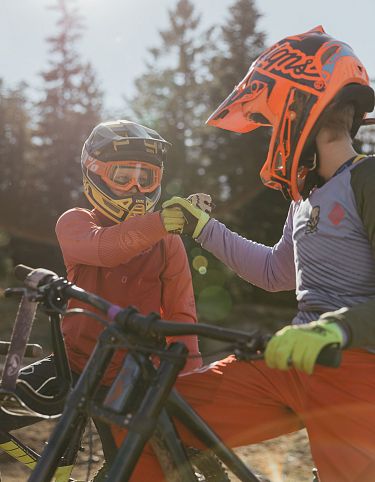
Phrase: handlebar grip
[21,271]
[32,349]
[4,347]
[330,356]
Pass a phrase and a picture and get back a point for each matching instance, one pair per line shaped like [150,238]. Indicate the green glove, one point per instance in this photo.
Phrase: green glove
[195,218]
[173,220]
[300,345]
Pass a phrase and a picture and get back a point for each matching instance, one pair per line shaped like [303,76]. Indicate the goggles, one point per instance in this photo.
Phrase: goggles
[123,175]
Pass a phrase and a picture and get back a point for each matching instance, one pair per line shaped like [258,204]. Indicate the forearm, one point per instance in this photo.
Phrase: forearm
[270,268]
[134,236]
[82,241]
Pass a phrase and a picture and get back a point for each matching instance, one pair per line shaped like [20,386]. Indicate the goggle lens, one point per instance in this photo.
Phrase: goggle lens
[123,175]
[129,176]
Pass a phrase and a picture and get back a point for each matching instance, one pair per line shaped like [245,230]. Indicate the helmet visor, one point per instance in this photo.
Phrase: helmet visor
[124,175]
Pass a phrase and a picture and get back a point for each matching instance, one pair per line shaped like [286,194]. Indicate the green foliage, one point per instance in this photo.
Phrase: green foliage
[15,149]
[234,160]
[69,109]
[169,93]
[14,144]
[190,73]
[365,142]
[5,261]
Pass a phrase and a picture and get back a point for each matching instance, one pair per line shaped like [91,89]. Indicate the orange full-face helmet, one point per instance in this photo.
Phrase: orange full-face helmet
[287,88]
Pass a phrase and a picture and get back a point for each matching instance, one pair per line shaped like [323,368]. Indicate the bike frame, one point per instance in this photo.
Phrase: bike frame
[160,404]
[28,457]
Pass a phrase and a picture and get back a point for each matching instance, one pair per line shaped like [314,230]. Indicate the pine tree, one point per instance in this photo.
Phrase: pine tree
[15,146]
[67,112]
[233,161]
[169,94]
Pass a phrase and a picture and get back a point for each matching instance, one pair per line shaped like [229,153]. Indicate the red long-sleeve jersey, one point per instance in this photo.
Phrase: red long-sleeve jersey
[134,263]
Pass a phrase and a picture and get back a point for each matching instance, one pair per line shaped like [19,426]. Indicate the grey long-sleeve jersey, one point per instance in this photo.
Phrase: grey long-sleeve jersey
[326,252]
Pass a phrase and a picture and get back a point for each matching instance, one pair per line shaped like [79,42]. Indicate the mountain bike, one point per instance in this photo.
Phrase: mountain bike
[141,399]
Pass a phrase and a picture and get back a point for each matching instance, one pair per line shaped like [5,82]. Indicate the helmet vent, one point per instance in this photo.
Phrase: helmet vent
[258,118]
[111,206]
[222,114]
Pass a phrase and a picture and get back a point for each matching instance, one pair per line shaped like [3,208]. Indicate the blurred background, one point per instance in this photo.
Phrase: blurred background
[65,65]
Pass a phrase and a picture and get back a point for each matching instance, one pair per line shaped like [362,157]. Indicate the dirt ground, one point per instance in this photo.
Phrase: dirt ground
[285,459]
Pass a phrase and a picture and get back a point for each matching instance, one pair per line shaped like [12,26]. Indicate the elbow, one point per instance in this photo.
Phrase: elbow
[274,285]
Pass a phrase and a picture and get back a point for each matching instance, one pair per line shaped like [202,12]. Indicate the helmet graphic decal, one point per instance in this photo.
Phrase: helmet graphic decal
[291,63]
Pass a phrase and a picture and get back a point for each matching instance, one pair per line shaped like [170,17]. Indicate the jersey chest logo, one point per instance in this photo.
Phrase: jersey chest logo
[337,214]
[312,223]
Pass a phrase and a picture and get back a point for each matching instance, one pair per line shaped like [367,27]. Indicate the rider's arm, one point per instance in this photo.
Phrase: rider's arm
[270,268]
[360,319]
[83,241]
[178,302]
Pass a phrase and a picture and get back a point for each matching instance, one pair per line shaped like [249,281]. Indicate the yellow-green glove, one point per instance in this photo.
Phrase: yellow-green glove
[173,220]
[300,345]
[195,218]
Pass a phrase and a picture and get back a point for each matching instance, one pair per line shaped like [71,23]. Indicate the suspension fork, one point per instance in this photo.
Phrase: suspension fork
[76,408]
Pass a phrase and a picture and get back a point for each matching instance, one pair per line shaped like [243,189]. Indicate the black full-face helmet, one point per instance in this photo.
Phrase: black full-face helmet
[122,164]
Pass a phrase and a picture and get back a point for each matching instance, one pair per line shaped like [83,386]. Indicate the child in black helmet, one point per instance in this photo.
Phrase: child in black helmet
[122,250]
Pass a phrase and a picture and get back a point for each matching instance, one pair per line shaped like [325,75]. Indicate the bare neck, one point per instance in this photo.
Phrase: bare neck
[333,154]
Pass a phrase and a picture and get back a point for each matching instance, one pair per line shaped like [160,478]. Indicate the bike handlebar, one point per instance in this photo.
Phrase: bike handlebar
[142,325]
[151,325]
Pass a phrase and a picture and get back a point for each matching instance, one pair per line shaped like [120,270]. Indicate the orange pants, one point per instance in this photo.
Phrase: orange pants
[246,403]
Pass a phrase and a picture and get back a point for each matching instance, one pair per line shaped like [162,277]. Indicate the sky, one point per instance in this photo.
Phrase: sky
[119,32]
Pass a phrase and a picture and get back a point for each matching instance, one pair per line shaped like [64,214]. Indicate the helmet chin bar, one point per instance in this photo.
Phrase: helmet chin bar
[137,208]
[119,210]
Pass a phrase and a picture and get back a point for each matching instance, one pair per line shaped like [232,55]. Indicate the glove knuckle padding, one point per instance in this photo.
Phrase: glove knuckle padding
[202,201]
[195,218]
